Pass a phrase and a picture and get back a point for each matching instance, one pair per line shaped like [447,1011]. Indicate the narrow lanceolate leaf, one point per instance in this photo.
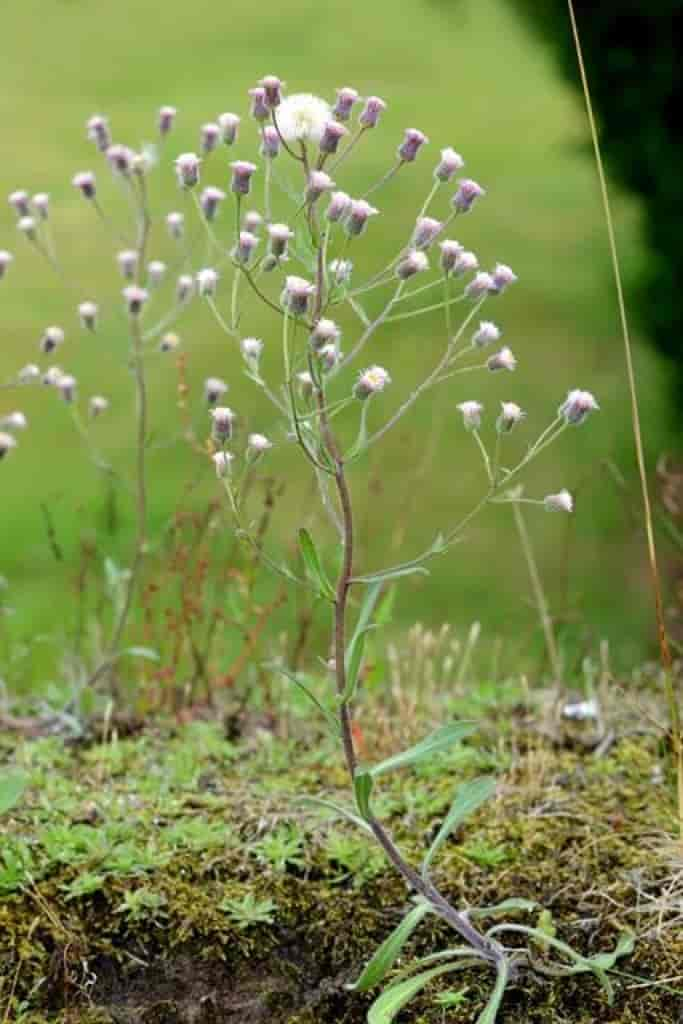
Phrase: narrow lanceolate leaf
[362,787]
[141,652]
[437,741]
[468,798]
[11,790]
[387,954]
[329,717]
[490,1012]
[314,569]
[342,812]
[514,903]
[354,651]
[383,575]
[385,1008]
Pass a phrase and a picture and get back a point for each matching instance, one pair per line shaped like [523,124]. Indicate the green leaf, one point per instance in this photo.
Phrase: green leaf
[314,569]
[338,809]
[386,955]
[141,652]
[514,903]
[382,575]
[362,787]
[293,678]
[11,790]
[490,1011]
[385,1008]
[354,652]
[437,741]
[468,798]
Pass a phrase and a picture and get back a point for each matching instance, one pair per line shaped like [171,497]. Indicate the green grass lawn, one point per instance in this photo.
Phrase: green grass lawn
[468,75]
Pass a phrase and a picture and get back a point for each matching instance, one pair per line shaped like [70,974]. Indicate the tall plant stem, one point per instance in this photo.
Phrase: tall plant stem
[539,593]
[664,649]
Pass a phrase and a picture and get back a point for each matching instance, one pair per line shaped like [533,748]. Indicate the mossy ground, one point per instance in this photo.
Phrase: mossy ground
[175,877]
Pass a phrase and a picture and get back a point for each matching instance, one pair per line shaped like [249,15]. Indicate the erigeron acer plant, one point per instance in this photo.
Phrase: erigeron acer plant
[295,256]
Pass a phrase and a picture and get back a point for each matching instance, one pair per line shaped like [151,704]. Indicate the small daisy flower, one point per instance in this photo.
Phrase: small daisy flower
[175,224]
[84,181]
[414,263]
[503,360]
[166,119]
[7,443]
[346,97]
[486,334]
[450,163]
[468,192]
[258,444]
[121,159]
[5,259]
[66,385]
[371,112]
[19,201]
[207,281]
[87,314]
[412,143]
[510,415]
[272,87]
[341,271]
[222,420]
[209,137]
[97,405]
[357,217]
[325,332]
[332,135]
[184,288]
[305,382]
[471,414]
[41,204]
[318,183]
[214,389]
[577,406]
[223,463]
[480,285]
[156,271]
[503,276]
[98,132]
[127,260]
[14,421]
[450,251]
[229,125]
[426,230]
[297,294]
[52,338]
[136,298]
[187,170]
[259,107]
[560,502]
[210,200]
[370,382]
[251,349]
[242,172]
[169,342]
[28,374]
[339,205]
[279,236]
[270,142]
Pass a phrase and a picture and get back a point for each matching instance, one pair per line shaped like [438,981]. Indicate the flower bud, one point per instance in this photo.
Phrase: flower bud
[127,260]
[156,271]
[52,338]
[98,132]
[245,247]
[318,183]
[14,421]
[7,443]
[503,360]
[481,284]
[503,276]
[166,119]
[270,142]
[229,125]
[187,170]
[143,162]
[414,263]
[169,343]
[120,159]
[341,271]
[52,376]
[257,445]
[426,230]
[272,87]
[41,204]
[450,251]
[184,288]
[338,207]
[324,333]
[371,112]
[357,217]
[210,200]
[253,221]
[242,172]
[329,356]
[332,135]
[29,373]
[296,295]
[27,226]
[214,389]
[450,163]
[279,236]
[97,405]
[87,313]
[66,385]
[486,334]
[251,349]
[468,192]
[413,140]
[84,181]
[510,416]
[577,406]
[19,202]
[259,108]
[207,281]
[560,502]
[5,259]
[305,382]
[346,97]
[222,461]
[175,224]
[465,263]
[370,382]
[471,414]
[222,420]
[136,298]
[209,137]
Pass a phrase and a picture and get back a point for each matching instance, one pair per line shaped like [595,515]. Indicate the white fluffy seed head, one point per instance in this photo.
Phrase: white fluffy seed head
[302,118]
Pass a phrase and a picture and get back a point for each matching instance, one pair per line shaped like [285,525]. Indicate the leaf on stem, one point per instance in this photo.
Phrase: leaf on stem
[293,678]
[362,787]
[11,790]
[468,798]
[354,652]
[386,955]
[385,1008]
[437,741]
[314,569]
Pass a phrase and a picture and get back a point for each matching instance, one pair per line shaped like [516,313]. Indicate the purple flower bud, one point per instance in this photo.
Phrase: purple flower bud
[346,97]
[52,338]
[85,182]
[97,405]
[52,376]
[166,119]
[426,230]
[358,215]
[332,135]
[19,201]
[270,142]
[187,170]
[27,226]
[471,414]
[210,200]
[222,420]
[510,416]
[245,247]
[253,221]
[413,140]
[207,281]
[135,297]
[503,360]
[272,87]
[5,260]
[156,271]
[305,382]
[486,334]
[229,125]
[329,356]
[169,342]
[66,385]
[14,421]
[318,183]
[127,260]
[503,276]
[259,108]
[209,137]
[87,313]
[257,445]
[450,251]
[450,163]
[371,112]
[465,264]
[184,288]
[464,198]
[41,204]
[279,236]
[560,502]
[28,374]
[577,406]
[214,389]
[296,295]
[242,172]
[175,223]
[222,461]
[98,132]
[481,284]
[7,443]
[120,159]
[341,271]
[251,349]
[338,207]
[414,263]
[370,382]
[324,333]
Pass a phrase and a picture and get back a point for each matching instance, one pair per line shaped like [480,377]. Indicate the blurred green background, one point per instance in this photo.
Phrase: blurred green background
[469,75]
